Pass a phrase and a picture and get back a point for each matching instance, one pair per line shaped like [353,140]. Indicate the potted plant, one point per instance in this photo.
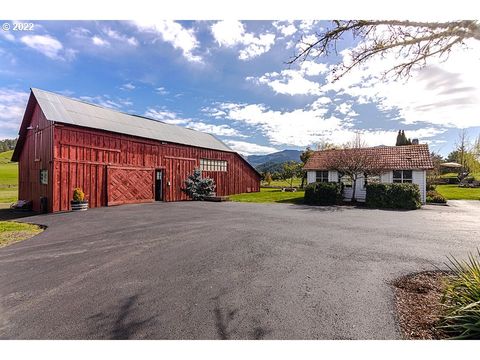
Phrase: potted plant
[79,203]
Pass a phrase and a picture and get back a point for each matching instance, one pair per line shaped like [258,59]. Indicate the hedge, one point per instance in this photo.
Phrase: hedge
[434,196]
[393,196]
[323,193]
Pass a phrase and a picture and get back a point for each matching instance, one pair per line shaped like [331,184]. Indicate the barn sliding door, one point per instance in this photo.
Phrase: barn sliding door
[126,185]
[176,172]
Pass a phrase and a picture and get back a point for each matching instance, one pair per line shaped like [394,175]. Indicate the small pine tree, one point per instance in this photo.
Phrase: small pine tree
[197,187]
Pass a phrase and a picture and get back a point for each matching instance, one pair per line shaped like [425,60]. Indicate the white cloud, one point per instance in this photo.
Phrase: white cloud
[286,28]
[232,33]
[220,130]
[247,148]
[48,46]
[294,81]
[443,93]
[107,101]
[115,35]
[162,91]
[96,40]
[310,125]
[127,87]
[299,127]
[171,117]
[175,34]
[12,107]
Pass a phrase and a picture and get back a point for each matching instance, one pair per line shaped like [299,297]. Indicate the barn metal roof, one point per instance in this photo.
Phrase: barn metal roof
[66,110]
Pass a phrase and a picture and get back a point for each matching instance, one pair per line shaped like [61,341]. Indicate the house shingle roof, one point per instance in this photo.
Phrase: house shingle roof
[407,157]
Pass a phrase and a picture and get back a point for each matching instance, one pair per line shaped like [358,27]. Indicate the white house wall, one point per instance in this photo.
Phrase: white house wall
[419,177]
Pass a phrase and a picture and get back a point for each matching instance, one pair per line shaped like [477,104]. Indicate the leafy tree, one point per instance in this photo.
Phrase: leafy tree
[353,162]
[413,42]
[268,178]
[291,169]
[434,174]
[304,156]
[7,144]
[197,187]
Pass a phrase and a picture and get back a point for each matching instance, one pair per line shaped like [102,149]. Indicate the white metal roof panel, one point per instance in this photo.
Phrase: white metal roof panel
[62,109]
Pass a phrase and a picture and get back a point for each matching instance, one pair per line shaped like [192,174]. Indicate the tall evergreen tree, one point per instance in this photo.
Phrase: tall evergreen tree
[399,138]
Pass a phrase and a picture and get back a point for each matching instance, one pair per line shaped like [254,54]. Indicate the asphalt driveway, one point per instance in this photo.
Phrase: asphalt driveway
[194,270]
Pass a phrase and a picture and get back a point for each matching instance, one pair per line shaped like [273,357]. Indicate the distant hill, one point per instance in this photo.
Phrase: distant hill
[274,158]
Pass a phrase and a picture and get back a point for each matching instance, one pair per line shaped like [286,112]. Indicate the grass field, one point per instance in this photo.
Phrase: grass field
[270,196]
[8,179]
[284,183]
[475,175]
[11,232]
[453,192]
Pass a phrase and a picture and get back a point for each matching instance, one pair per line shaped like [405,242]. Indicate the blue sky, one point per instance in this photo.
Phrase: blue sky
[229,78]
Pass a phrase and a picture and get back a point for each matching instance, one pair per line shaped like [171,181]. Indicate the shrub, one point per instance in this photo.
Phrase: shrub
[197,187]
[393,196]
[78,195]
[431,186]
[323,193]
[461,298]
[435,197]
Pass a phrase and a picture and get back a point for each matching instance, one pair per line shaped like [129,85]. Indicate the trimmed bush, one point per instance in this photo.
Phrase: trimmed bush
[435,197]
[323,193]
[393,196]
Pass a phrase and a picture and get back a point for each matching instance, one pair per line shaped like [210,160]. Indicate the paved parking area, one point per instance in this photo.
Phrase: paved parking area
[195,270]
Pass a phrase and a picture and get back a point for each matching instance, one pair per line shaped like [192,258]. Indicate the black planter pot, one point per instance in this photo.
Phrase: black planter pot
[79,206]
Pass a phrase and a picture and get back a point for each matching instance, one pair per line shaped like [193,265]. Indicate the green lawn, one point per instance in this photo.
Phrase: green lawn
[11,232]
[476,175]
[453,192]
[270,196]
[8,179]
[284,183]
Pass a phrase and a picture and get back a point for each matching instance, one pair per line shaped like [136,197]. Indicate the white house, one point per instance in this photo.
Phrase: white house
[402,164]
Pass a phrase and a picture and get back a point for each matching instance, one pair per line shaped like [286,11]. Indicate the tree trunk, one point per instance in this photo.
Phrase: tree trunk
[354,185]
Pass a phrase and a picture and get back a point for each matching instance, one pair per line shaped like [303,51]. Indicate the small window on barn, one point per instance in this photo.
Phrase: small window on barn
[322,176]
[402,176]
[213,165]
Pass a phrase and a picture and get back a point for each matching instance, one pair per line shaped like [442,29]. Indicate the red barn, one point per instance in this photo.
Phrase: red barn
[116,158]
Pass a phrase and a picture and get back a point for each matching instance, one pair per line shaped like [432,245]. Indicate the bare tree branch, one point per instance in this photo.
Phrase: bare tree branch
[414,42]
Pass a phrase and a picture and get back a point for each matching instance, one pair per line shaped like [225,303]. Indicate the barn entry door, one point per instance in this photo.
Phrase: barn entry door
[158,185]
[127,185]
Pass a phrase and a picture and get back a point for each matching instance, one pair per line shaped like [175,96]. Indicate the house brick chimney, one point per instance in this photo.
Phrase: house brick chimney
[414,141]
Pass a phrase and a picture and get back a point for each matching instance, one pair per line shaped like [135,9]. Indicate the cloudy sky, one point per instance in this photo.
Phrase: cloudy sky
[229,78]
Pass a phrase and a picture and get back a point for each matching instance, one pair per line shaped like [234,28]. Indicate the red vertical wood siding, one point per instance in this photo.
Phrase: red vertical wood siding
[29,186]
[82,158]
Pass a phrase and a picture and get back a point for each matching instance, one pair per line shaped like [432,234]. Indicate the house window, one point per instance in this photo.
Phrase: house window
[346,180]
[402,176]
[213,165]
[322,176]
